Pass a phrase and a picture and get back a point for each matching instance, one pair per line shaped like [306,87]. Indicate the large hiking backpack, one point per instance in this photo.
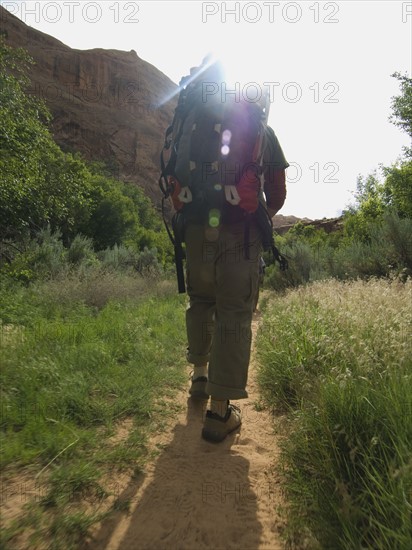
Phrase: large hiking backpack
[215,147]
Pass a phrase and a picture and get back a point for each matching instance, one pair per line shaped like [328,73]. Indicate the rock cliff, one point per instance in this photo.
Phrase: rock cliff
[106,104]
[282,224]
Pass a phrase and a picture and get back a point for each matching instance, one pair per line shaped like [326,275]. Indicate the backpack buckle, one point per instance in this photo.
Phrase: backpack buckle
[231,194]
[185,195]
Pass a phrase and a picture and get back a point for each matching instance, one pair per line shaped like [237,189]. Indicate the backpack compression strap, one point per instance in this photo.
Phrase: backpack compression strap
[178,251]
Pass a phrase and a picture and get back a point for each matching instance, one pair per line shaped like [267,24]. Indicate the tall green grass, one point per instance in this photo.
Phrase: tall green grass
[71,371]
[337,357]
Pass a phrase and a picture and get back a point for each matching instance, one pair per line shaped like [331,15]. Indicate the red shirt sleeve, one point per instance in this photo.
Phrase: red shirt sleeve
[275,190]
[274,176]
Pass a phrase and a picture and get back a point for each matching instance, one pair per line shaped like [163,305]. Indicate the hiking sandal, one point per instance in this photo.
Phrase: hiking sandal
[198,388]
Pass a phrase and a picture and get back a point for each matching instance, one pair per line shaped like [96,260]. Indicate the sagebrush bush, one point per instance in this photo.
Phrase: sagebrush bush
[312,256]
[144,262]
[42,257]
[300,259]
[398,233]
[360,259]
[96,287]
[48,254]
[119,256]
[46,258]
[81,250]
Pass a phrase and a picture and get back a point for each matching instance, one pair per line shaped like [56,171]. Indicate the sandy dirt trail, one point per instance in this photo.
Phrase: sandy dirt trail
[198,495]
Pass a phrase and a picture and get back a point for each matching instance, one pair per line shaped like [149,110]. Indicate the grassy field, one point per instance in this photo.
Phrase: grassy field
[86,360]
[78,360]
[337,358]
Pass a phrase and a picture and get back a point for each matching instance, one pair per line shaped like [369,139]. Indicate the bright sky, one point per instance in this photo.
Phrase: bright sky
[329,65]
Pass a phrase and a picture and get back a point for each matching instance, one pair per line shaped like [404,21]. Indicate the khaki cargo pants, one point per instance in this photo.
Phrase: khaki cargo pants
[221,285]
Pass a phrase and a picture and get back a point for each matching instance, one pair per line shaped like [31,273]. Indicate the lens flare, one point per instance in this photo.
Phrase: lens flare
[226,137]
[214,217]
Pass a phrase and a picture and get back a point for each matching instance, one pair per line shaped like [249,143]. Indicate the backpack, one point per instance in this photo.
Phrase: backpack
[215,152]
[215,149]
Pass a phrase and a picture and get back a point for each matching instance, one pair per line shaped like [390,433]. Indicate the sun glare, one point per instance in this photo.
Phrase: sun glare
[235,64]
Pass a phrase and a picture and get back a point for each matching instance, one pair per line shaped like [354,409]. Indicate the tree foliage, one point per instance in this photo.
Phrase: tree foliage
[369,206]
[374,198]
[402,108]
[397,189]
[41,186]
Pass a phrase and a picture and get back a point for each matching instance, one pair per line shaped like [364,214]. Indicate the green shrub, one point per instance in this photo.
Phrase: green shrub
[383,248]
[300,259]
[398,234]
[119,257]
[81,251]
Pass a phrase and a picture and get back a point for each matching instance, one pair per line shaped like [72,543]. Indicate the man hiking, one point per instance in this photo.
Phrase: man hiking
[226,157]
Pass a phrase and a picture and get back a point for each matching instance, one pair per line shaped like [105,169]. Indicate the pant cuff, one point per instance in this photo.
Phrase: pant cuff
[224,392]
[197,359]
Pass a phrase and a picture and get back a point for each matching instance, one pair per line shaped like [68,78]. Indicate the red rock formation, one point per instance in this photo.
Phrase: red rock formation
[104,103]
[329,225]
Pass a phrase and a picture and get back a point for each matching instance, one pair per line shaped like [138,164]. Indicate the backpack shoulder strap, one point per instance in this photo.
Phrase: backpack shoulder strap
[171,141]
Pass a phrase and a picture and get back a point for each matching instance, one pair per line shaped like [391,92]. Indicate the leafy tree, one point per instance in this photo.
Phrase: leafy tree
[402,108]
[39,184]
[122,214]
[397,189]
[374,198]
[43,187]
[114,219]
[369,207]
[148,216]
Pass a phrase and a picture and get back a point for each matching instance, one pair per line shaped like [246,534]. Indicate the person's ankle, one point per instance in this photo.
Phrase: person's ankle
[219,406]
[199,371]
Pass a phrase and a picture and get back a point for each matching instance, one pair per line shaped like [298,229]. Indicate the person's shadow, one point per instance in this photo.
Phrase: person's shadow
[200,497]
